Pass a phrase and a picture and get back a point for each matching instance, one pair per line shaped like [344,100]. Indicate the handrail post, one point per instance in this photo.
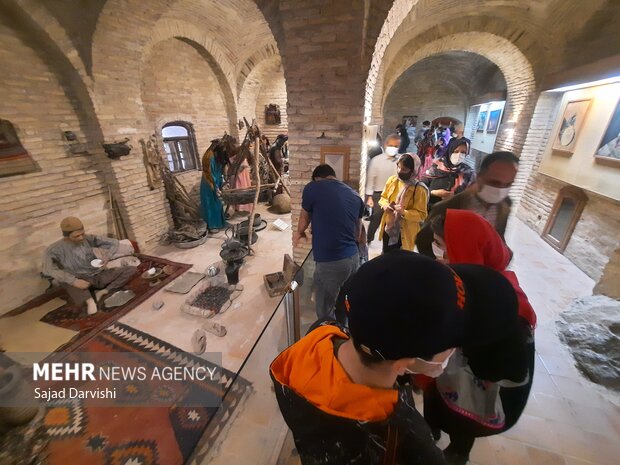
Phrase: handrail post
[291,310]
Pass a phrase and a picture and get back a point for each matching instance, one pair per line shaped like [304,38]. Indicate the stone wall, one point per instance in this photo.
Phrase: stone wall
[33,204]
[595,237]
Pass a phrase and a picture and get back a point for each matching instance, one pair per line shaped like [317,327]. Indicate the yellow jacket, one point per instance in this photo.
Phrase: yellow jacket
[415,209]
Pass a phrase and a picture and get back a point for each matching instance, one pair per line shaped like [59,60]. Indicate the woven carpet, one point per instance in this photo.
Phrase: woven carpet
[123,435]
[73,317]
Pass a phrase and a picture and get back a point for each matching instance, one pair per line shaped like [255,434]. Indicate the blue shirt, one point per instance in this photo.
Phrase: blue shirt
[335,210]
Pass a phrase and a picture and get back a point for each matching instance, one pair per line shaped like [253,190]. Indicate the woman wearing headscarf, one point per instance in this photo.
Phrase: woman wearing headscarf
[484,389]
[404,201]
[404,138]
[426,152]
[450,175]
[213,162]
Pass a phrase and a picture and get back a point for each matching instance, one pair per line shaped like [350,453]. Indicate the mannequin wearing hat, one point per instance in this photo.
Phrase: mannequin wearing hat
[73,263]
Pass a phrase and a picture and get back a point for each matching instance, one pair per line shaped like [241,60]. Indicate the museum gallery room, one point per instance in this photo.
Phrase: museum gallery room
[190,185]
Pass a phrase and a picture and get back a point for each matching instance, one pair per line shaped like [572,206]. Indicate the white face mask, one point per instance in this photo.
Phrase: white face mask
[438,251]
[490,194]
[429,368]
[391,151]
[457,158]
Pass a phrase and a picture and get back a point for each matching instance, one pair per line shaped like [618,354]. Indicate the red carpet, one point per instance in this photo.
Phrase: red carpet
[120,434]
[71,317]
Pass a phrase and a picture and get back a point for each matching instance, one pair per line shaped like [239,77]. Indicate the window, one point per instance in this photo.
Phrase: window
[565,214]
[180,146]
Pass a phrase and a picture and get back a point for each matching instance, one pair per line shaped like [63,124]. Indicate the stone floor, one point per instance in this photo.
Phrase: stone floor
[568,421]
[248,315]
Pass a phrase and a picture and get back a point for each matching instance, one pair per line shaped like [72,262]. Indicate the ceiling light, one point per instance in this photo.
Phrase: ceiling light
[601,82]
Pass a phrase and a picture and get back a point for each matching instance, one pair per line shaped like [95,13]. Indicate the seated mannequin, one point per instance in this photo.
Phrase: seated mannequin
[68,262]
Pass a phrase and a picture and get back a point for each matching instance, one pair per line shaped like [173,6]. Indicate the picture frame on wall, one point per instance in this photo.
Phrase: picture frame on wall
[411,119]
[609,148]
[571,122]
[14,158]
[482,121]
[494,119]
[337,157]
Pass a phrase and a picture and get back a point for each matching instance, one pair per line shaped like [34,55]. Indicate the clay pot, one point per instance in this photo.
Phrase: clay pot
[17,404]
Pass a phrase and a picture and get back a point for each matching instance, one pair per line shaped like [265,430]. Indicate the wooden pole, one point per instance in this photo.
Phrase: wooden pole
[278,177]
[113,213]
[258,186]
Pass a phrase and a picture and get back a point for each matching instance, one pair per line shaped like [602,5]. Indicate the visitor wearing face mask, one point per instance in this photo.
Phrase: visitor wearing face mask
[450,175]
[483,390]
[404,202]
[488,197]
[404,138]
[427,153]
[379,171]
[343,392]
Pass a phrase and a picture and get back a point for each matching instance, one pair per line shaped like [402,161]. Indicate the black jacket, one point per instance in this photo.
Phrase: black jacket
[325,436]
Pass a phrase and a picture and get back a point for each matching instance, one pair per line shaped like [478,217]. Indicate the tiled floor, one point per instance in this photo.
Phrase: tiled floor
[568,420]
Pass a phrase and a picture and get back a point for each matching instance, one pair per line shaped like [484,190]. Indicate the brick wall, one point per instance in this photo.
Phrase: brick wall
[33,204]
[596,235]
[273,90]
[425,99]
[325,85]
[178,84]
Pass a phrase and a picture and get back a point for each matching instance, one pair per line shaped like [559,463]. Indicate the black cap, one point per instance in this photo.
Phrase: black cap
[403,305]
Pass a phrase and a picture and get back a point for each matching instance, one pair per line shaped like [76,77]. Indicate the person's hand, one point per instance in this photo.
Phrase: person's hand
[299,236]
[444,194]
[398,209]
[370,202]
[81,284]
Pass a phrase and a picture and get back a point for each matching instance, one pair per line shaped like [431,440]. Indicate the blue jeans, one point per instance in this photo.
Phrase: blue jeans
[328,278]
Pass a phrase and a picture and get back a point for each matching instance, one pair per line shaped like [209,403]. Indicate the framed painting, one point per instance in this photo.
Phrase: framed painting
[609,148]
[573,117]
[412,120]
[482,121]
[14,158]
[338,158]
[494,118]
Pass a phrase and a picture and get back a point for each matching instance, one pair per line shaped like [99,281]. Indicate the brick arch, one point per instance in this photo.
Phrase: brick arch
[216,55]
[32,27]
[267,52]
[517,70]
[397,14]
[56,34]
[248,95]
[166,28]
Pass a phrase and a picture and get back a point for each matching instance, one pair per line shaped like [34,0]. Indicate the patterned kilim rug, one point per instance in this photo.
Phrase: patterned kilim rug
[148,435]
[72,317]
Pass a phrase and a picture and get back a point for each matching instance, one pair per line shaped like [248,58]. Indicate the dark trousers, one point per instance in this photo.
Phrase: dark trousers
[464,432]
[386,243]
[328,277]
[375,218]
[111,279]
